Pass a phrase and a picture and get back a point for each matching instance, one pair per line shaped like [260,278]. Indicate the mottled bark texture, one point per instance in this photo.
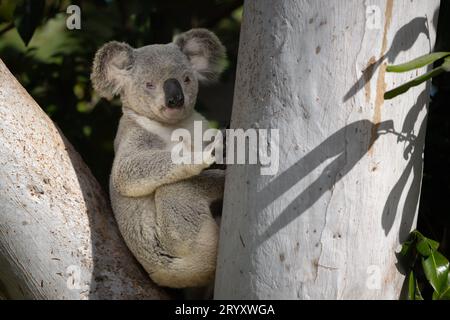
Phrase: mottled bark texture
[58,237]
[329,223]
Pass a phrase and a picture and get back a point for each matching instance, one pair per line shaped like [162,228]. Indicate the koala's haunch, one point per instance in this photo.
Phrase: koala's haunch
[163,209]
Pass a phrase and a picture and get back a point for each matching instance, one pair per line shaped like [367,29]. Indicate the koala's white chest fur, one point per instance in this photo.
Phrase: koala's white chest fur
[164,131]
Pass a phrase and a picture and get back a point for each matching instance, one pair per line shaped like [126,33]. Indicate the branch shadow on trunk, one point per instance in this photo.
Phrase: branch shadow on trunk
[347,146]
[350,144]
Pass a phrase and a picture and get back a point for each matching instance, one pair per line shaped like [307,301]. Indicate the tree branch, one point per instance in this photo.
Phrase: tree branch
[7,28]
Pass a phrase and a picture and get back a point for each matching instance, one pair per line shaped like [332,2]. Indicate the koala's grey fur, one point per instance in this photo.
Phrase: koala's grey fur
[162,208]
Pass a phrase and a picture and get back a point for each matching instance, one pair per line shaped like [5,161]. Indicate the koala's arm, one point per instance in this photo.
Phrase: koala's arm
[137,173]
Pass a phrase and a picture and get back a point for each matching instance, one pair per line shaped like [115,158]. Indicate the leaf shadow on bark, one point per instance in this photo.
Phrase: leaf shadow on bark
[413,152]
[414,166]
[348,151]
[347,146]
[403,40]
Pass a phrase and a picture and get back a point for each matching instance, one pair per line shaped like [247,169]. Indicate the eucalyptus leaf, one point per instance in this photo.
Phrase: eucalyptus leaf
[445,294]
[413,288]
[436,269]
[446,64]
[415,82]
[416,235]
[418,62]
[420,237]
[417,294]
[406,248]
[29,15]
[425,246]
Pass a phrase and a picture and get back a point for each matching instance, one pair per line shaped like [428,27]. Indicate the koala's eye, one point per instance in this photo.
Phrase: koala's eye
[149,85]
[187,79]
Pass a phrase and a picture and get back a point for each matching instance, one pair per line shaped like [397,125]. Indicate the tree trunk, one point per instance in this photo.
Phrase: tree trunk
[328,224]
[58,239]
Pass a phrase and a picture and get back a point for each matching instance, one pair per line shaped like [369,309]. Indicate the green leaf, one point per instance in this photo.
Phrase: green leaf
[7,8]
[415,82]
[408,251]
[414,234]
[28,17]
[423,248]
[445,292]
[436,268]
[426,246]
[417,63]
[413,288]
[444,295]
[406,248]
[446,64]
[422,241]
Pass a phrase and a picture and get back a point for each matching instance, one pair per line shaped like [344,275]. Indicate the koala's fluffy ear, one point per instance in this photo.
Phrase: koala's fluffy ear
[111,66]
[205,52]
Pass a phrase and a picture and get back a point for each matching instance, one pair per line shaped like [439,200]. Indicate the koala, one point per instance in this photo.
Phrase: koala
[163,209]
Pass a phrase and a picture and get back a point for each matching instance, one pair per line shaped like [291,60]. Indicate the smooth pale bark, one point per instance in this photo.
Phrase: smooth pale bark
[58,238]
[329,223]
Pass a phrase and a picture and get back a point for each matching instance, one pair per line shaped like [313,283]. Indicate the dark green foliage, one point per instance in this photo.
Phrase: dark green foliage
[434,210]
[423,259]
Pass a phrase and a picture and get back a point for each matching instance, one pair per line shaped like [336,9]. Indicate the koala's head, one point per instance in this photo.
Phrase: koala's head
[159,81]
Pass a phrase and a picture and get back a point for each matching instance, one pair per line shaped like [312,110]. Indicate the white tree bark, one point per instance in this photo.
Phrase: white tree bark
[328,224]
[58,239]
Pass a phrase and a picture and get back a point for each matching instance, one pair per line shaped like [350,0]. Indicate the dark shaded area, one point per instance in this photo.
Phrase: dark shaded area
[434,209]
[59,80]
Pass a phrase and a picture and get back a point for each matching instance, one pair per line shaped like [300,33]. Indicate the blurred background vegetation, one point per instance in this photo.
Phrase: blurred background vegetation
[53,64]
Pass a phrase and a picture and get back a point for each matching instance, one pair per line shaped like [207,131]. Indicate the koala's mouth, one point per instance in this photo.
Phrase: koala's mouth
[172,114]
[173,111]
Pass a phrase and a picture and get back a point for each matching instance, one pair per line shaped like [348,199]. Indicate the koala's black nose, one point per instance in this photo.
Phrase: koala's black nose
[173,93]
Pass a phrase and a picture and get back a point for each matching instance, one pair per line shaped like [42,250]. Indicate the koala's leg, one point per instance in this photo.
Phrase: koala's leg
[187,230]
